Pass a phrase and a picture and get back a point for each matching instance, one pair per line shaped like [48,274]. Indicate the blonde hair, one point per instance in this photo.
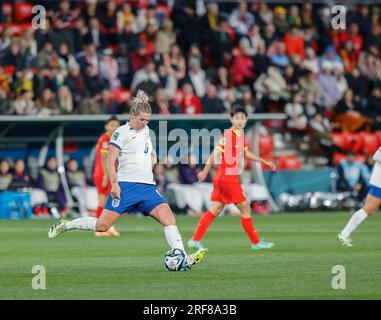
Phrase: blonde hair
[139,103]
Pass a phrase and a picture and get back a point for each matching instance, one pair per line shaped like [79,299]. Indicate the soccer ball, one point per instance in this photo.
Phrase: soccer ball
[175,260]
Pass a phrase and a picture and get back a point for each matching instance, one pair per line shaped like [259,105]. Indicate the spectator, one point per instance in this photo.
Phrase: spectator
[210,102]
[294,18]
[297,119]
[166,37]
[23,104]
[65,15]
[76,85]
[265,15]
[175,62]
[369,62]
[271,85]
[190,103]
[161,104]
[65,100]
[330,56]
[352,177]
[79,32]
[5,175]
[246,99]
[242,67]
[196,76]
[13,56]
[66,60]
[349,56]
[241,19]
[310,62]
[47,57]
[221,44]
[279,57]
[95,35]
[280,20]
[147,76]
[269,34]
[222,79]
[49,180]
[342,84]
[209,22]
[373,108]
[291,77]
[148,36]
[126,18]
[294,42]
[108,69]
[76,180]
[47,105]
[5,104]
[309,85]
[321,137]
[348,116]
[167,81]
[358,84]
[261,60]
[108,21]
[328,86]
[20,177]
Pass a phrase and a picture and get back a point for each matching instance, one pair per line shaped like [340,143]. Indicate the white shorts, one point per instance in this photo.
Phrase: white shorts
[375,178]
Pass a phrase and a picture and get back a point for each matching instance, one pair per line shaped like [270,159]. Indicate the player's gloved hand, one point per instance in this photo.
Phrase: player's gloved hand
[202,176]
[104,181]
[115,190]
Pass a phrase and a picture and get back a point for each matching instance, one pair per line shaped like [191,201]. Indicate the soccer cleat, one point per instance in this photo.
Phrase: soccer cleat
[197,245]
[195,258]
[262,244]
[57,229]
[345,241]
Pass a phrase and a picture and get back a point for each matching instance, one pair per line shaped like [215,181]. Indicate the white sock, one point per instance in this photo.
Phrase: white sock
[358,217]
[85,223]
[173,237]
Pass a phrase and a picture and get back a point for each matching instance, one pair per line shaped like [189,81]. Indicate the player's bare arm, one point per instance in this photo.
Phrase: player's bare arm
[154,158]
[112,156]
[215,155]
[251,156]
[104,165]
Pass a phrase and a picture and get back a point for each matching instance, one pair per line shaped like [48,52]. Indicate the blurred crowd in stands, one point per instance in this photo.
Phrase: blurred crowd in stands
[194,57]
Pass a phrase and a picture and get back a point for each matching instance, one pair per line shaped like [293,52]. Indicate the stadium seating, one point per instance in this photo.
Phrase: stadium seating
[370,142]
[266,145]
[23,11]
[289,162]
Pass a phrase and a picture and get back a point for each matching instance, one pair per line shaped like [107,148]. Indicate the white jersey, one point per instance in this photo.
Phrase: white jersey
[134,160]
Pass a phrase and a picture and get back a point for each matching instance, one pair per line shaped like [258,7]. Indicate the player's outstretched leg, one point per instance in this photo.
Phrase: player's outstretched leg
[248,226]
[203,224]
[106,220]
[165,216]
[371,204]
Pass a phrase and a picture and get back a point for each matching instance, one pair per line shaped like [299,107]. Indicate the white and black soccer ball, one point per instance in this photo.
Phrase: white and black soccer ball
[175,260]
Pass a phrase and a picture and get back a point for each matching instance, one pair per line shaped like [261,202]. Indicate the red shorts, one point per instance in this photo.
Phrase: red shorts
[100,189]
[227,192]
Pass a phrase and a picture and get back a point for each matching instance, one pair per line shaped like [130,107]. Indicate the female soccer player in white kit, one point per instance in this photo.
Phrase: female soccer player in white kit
[132,185]
[372,202]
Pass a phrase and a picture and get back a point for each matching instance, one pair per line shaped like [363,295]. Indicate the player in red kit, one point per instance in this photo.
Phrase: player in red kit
[230,152]
[101,181]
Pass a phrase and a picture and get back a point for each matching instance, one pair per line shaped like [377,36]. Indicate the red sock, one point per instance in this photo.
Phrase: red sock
[99,212]
[203,224]
[248,226]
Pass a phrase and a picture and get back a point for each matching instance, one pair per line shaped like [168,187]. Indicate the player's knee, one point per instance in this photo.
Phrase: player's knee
[370,210]
[246,213]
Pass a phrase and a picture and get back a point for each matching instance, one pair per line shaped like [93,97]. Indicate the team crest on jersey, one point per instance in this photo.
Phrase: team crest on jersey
[115,203]
[146,148]
[115,136]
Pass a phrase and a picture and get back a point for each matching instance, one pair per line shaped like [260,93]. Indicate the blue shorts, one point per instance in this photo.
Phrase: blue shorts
[135,196]
[375,191]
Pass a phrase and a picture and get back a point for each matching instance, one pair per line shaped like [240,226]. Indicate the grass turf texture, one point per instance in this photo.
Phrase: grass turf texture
[80,266]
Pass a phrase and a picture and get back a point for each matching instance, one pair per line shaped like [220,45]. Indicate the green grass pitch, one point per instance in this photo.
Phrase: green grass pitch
[80,266]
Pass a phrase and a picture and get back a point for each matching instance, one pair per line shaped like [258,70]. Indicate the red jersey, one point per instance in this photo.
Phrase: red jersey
[232,146]
[101,148]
